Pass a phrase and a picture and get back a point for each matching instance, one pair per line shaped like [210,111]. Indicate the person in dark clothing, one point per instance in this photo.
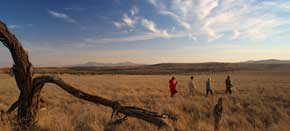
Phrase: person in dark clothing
[217,113]
[208,87]
[229,85]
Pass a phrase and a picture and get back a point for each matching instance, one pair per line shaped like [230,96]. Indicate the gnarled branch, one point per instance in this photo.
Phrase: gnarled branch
[152,117]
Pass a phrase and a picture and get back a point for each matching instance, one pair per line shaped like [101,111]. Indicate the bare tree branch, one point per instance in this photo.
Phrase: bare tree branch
[152,117]
[12,107]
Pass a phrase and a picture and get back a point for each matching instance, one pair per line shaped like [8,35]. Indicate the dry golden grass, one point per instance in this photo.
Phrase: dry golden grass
[261,101]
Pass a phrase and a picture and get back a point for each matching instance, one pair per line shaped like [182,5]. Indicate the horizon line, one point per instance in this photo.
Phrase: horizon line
[137,63]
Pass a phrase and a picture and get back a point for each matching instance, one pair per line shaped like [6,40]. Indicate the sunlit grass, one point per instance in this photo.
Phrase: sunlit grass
[261,101]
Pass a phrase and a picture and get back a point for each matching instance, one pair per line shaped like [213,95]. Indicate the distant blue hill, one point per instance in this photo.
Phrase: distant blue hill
[96,64]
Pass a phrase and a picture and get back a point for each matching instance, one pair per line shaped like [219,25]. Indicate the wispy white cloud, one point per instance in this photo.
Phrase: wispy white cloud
[221,19]
[214,18]
[62,16]
[153,2]
[124,39]
[285,6]
[118,24]
[192,37]
[236,34]
[205,7]
[129,21]
[74,9]
[210,19]
[134,11]
[178,17]
[14,26]
[137,37]
[181,21]
[251,19]
[150,25]
[189,14]
[132,20]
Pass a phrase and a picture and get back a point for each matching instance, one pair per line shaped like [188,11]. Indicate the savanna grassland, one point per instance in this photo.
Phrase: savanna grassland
[260,101]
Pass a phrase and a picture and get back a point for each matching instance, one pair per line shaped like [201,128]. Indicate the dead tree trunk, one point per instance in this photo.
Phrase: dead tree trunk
[29,98]
[22,69]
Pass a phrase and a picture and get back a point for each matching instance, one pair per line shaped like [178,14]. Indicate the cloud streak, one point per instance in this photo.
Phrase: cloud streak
[150,25]
[14,26]
[130,21]
[124,39]
[62,16]
[215,18]
[206,20]
[73,9]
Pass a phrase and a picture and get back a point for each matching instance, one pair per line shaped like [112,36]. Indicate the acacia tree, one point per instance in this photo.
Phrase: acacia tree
[28,103]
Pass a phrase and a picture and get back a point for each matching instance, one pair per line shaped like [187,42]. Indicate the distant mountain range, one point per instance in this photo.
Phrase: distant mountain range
[96,64]
[269,61]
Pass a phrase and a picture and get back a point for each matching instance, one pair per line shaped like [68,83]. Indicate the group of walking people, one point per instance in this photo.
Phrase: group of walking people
[191,86]
[218,108]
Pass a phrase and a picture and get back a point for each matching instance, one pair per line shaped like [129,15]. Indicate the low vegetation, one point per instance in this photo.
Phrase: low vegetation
[260,101]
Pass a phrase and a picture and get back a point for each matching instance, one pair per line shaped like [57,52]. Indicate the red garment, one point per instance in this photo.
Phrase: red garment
[172,86]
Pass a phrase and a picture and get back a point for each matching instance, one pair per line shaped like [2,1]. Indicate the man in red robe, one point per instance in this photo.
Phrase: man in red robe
[172,86]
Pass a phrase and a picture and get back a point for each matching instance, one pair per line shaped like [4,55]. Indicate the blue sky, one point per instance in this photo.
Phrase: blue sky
[66,32]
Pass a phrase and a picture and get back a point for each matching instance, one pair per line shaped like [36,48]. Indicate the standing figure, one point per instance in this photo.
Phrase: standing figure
[208,87]
[217,113]
[191,86]
[172,86]
[229,85]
